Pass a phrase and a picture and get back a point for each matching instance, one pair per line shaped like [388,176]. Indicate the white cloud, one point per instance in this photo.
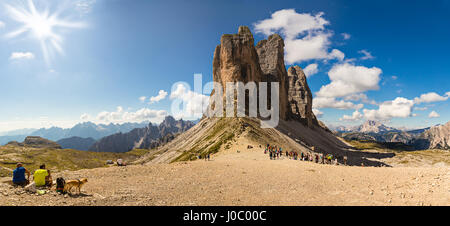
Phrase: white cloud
[21,55]
[311,70]
[360,97]
[142,99]
[398,108]
[367,55]
[317,113]
[291,23]
[420,109]
[194,104]
[346,36]
[433,114]
[331,102]
[84,6]
[85,117]
[121,116]
[2,24]
[305,35]
[354,117]
[336,54]
[347,79]
[161,95]
[394,77]
[431,97]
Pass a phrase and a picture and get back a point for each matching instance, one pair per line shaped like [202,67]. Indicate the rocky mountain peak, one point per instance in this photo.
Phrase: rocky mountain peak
[237,59]
[371,126]
[300,96]
[169,120]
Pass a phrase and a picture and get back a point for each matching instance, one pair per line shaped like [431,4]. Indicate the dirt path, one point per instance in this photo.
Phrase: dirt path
[249,178]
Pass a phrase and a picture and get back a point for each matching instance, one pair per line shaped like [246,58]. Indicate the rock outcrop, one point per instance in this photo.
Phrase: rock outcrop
[300,97]
[144,138]
[236,59]
[36,142]
[271,60]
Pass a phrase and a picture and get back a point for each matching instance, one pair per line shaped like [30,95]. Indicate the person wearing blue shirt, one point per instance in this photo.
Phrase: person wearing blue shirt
[19,175]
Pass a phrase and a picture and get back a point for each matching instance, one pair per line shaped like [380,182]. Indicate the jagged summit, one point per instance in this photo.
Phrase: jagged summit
[237,59]
[371,126]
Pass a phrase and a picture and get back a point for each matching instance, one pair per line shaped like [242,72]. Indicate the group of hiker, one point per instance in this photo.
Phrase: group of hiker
[276,152]
[41,177]
[206,157]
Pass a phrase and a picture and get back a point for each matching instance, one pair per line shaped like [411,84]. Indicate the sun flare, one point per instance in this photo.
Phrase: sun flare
[42,26]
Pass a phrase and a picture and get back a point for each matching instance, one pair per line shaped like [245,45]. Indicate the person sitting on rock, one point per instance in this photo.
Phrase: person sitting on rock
[42,177]
[19,175]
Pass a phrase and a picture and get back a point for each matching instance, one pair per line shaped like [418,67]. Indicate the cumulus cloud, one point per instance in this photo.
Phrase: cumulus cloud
[431,97]
[187,104]
[346,36]
[21,55]
[420,108]
[161,95]
[398,108]
[433,114]
[2,24]
[85,117]
[331,102]
[354,117]
[311,70]
[366,55]
[305,35]
[317,113]
[122,116]
[347,79]
[142,99]
[360,97]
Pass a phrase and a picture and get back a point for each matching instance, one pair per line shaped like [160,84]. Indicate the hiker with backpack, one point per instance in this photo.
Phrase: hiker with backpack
[19,175]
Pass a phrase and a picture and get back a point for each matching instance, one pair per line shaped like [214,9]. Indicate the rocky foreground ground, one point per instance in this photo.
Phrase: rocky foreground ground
[247,177]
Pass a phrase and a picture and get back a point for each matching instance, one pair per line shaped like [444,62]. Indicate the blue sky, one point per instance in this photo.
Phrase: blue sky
[113,52]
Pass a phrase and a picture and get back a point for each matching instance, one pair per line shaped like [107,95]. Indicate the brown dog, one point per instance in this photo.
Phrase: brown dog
[74,184]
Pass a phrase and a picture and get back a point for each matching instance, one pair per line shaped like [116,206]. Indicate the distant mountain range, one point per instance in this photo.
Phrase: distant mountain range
[149,137]
[436,137]
[367,127]
[82,130]
[77,143]
[17,132]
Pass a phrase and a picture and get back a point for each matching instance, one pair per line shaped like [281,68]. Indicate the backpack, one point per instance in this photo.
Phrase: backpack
[60,183]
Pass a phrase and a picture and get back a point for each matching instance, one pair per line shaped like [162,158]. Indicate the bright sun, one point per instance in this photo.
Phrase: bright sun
[42,25]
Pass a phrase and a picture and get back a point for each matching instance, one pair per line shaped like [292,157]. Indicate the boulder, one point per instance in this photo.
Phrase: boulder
[31,188]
